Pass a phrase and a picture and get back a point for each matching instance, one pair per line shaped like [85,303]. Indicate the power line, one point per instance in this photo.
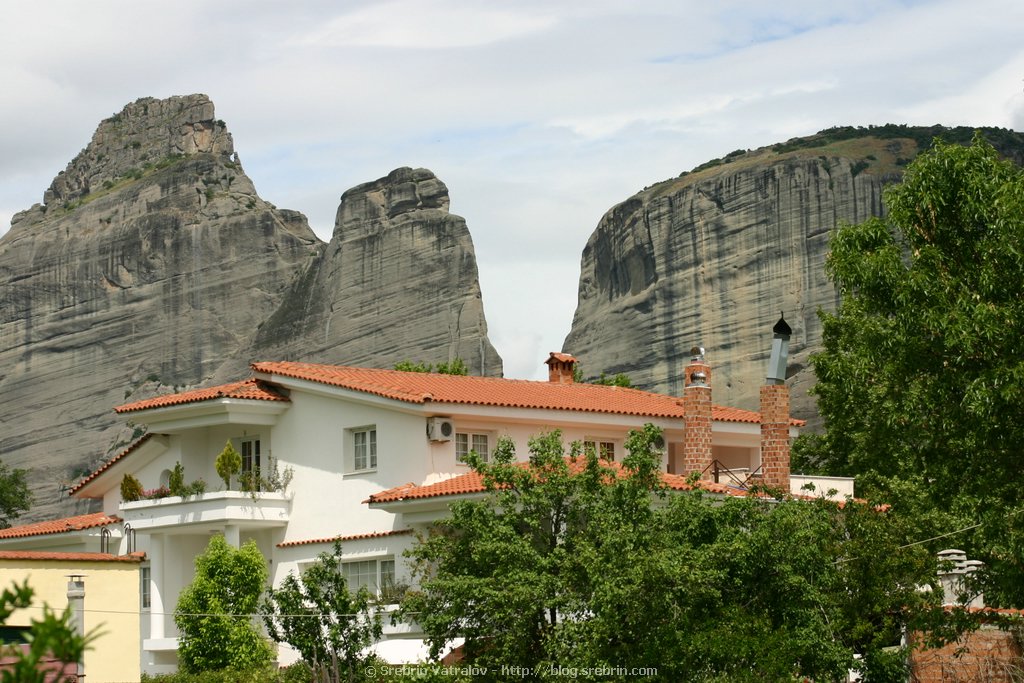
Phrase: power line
[909,545]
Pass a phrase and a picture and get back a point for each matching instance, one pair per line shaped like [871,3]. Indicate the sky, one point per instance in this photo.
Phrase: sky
[539,116]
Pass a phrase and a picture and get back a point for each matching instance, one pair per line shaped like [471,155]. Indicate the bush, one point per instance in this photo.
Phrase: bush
[229,462]
[131,488]
[176,482]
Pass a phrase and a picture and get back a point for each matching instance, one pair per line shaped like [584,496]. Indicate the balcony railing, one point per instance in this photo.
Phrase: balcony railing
[245,509]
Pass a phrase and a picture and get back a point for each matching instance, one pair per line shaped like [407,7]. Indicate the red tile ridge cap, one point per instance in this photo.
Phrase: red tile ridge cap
[109,463]
[248,389]
[415,387]
[68,556]
[473,483]
[345,539]
[59,526]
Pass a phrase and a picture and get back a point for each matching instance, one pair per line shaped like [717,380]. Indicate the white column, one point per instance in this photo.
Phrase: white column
[156,583]
[231,535]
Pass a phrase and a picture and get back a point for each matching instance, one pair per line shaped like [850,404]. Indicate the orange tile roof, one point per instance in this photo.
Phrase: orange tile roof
[41,555]
[108,464]
[421,387]
[60,526]
[252,389]
[344,539]
[473,482]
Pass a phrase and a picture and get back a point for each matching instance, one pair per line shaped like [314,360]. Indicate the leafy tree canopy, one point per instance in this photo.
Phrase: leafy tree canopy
[319,616]
[575,562]
[214,612]
[921,378]
[15,496]
[454,367]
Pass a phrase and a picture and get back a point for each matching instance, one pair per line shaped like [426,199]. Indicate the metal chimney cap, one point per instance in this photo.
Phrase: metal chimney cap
[696,353]
[782,329]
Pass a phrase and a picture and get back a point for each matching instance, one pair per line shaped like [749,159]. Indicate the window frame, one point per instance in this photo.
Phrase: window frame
[380,574]
[145,587]
[254,455]
[362,444]
[598,443]
[471,443]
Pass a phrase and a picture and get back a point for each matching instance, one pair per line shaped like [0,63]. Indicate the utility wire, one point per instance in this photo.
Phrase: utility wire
[909,545]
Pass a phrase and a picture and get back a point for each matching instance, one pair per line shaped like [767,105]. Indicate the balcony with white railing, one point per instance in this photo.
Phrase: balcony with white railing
[244,509]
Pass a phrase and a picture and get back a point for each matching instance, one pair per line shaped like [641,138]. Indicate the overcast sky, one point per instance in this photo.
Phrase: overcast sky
[539,116]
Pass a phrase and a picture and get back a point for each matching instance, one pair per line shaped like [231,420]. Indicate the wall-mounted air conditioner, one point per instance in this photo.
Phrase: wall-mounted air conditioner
[440,429]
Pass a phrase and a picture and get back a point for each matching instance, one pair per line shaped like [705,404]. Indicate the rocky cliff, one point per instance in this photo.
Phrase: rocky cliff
[152,264]
[713,256]
[398,281]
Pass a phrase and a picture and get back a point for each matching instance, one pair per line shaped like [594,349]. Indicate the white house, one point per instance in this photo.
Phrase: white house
[373,454]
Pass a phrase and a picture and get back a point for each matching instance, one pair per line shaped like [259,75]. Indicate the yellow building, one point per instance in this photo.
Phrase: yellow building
[111,606]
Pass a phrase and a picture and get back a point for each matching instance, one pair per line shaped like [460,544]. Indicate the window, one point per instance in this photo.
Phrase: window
[466,442]
[250,449]
[604,449]
[374,575]
[364,451]
[144,578]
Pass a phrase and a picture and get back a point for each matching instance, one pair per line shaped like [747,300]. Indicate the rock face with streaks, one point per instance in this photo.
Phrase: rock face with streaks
[152,265]
[712,257]
[398,281]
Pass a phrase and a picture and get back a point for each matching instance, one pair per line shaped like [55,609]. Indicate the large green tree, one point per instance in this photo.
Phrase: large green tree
[921,378]
[330,625]
[576,563]
[216,612]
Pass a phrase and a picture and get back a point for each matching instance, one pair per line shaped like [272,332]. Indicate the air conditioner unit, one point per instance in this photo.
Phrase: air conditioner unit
[440,429]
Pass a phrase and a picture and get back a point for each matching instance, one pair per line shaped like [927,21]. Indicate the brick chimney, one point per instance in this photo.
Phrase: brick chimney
[561,367]
[775,413]
[697,415]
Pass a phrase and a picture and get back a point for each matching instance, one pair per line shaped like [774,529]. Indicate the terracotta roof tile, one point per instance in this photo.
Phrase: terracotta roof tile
[473,482]
[251,389]
[39,555]
[60,526]
[421,387]
[108,464]
[345,539]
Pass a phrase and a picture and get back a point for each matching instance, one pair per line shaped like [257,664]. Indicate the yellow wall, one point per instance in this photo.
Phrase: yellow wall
[111,604]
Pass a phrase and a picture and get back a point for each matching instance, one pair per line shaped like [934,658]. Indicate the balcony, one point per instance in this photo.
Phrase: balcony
[208,510]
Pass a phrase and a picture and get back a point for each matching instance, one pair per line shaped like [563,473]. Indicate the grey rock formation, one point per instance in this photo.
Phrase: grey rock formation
[712,257]
[398,281]
[152,264]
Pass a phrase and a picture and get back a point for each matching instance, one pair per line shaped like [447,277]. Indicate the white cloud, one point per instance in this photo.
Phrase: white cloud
[414,25]
[539,116]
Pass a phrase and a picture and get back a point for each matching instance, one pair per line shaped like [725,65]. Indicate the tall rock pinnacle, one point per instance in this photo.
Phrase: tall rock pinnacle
[398,281]
[153,265]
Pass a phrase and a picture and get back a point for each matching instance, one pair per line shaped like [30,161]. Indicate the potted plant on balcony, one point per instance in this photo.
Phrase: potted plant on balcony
[229,462]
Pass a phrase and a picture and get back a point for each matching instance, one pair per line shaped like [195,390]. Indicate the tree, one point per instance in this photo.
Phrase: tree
[575,562]
[131,488]
[228,463]
[51,638]
[921,376]
[215,612]
[453,367]
[319,616]
[15,496]
[619,379]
